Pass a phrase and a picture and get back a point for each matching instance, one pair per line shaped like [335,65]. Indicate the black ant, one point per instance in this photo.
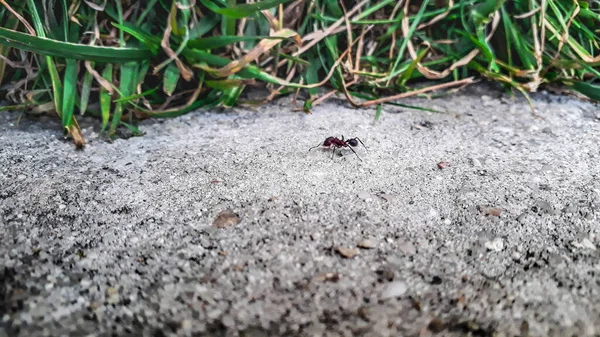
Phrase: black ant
[337,143]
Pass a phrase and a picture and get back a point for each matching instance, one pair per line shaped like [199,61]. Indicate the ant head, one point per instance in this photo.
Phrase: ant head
[352,142]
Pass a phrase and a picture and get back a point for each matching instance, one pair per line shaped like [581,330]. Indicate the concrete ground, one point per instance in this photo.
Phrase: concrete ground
[223,224]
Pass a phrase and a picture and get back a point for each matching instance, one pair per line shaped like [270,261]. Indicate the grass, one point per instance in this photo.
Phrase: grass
[125,60]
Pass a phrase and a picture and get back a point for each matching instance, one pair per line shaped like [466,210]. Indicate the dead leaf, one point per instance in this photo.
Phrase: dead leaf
[262,47]
[347,253]
[95,6]
[226,218]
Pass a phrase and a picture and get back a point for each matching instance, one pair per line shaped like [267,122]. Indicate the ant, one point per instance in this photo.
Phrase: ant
[337,143]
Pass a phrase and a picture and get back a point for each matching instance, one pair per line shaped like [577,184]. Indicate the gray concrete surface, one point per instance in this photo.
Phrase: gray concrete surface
[119,239]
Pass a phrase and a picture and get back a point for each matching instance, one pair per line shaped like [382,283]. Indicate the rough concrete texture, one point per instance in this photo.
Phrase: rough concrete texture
[119,239]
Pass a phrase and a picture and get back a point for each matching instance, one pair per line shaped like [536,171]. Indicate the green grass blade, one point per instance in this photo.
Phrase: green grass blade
[136,96]
[55,48]
[590,90]
[86,89]
[400,54]
[105,97]
[170,79]
[69,93]
[129,73]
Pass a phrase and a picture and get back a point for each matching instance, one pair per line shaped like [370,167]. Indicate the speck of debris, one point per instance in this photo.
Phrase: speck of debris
[385,274]
[347,253]
[494,211]
[226,218]
[443,164]
[422,125]
[436,325]
[328,277]
[386,197]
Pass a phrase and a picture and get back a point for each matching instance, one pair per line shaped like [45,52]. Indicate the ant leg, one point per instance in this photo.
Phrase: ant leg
[363,144]
[350,147]
[320,144]
[333,152]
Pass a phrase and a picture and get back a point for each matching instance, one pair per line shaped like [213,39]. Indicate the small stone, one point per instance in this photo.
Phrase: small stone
[386,197]
[366,196]
[112,296]
[347,253]
[475,162]
[385,274]
[21,177]
[328,277]
[436,325]
[85,283]
[226,218]
[570,209]
[407,248]
[496,245]
[543,207]
[393,290]
[524,328]
[366,244]
[516,256]
[49,286]
[447,222]
[585,243]
[228,321]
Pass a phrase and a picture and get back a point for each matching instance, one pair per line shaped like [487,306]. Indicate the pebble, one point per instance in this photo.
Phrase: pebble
[475,162]
[366,244]
[543,207]
[112,296]
[516,256]
[585,243]
[21,177]
[226,218]
[347,252]
[447,222]
[394,289]
[407,248]
[186,325]
[496,245]
[366,196]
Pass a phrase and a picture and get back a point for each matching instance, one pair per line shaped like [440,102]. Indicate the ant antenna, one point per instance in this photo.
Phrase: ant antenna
[363,144]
